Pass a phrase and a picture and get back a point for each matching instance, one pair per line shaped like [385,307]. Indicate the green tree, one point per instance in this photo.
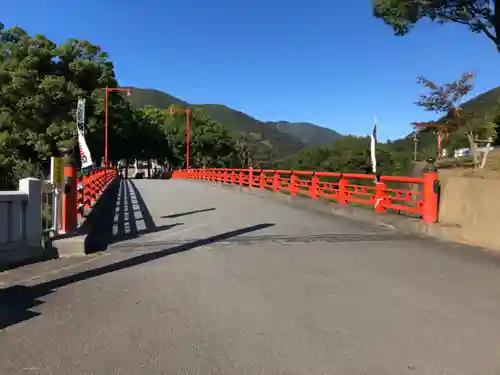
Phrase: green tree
[446,100]
[211,144]
[348,154]
[481,16]
[40,84]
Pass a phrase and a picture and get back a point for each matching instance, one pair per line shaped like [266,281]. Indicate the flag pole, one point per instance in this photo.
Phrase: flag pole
[373,145]
[80,127]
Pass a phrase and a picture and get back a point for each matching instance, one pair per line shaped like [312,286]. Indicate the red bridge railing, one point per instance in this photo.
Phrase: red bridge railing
[90,187]
[417,196]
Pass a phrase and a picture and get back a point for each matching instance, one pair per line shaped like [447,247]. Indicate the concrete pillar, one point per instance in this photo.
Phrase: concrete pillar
[33,188]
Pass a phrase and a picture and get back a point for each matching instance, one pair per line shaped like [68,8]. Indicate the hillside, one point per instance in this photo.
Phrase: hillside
[153,98]
[285,138]
[308,133]
[283,143]
[483,104]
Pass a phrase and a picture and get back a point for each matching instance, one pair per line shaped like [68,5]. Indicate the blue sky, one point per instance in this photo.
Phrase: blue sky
[294,60]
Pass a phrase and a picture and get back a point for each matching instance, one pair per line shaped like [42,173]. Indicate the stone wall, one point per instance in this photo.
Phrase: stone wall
[471,205]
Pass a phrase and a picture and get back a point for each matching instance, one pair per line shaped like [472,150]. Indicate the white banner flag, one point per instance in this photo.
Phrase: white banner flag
[80,115]
[84,150]
[373,144]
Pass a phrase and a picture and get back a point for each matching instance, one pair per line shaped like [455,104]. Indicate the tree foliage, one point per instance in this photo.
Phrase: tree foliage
[210,146]
[446,100]
[481,16]
[40,84]
[348,154]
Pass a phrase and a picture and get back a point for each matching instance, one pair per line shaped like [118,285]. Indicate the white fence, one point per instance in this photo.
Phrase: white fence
[20,222]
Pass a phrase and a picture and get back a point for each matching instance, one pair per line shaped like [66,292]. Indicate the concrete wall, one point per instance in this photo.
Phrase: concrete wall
[20,222]
[472,206]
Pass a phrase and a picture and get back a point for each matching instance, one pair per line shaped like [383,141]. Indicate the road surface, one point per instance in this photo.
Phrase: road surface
[203,280]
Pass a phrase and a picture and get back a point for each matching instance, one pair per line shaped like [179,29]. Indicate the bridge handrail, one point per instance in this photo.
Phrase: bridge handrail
[419,197]
[90,187]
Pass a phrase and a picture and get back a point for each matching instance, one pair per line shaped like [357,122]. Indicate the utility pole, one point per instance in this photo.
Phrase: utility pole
[415,144]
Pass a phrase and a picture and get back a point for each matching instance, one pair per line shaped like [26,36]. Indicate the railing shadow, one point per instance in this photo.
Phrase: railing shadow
[180,214]
[122,209]
[16,301]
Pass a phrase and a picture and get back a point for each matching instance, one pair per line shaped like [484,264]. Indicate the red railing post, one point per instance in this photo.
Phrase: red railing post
[380,197]
[225,176]
[293,182]
[241,177]
[69,220]
[250,178]
[313,189]
[276,181]
[262,179]
[342,192]
[430,195]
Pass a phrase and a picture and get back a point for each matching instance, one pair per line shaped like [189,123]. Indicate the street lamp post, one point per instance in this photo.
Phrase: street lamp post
[187,111]
[106,119]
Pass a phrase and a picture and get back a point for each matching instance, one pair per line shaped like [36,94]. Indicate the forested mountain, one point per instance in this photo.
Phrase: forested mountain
[285,138]
[308,133]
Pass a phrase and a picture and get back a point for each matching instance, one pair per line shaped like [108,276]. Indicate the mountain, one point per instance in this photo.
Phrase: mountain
[142,97]
[484,104]
[310,134]
[283,144]
[285,138]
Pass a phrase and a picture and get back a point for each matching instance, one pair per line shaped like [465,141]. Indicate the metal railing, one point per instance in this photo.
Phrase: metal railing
[51,198]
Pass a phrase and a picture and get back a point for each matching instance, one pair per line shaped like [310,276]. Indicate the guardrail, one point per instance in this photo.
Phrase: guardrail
[383,193]
[90,188]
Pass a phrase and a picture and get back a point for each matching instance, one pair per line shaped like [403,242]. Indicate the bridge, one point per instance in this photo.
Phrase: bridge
[193,275]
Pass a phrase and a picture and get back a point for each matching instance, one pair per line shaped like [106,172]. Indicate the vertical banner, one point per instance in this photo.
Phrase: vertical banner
[85,156]
[56,171]
[80,115]
[373,144]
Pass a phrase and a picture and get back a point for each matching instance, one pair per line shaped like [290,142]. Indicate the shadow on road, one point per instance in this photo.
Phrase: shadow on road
[173,216]
[16,301]
[124,201]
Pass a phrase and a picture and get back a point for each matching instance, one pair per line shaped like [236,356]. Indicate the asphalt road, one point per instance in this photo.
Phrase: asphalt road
[202,280]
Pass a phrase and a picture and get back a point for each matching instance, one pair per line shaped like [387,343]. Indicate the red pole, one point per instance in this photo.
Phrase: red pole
[69,199]
[430,195]
[439,142]
[188,136]
[106,130]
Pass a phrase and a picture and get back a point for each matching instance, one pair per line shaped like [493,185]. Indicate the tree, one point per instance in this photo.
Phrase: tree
[446,100]
[40,84]
[348,154]
[210,146]
[481,16]
[253,152]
